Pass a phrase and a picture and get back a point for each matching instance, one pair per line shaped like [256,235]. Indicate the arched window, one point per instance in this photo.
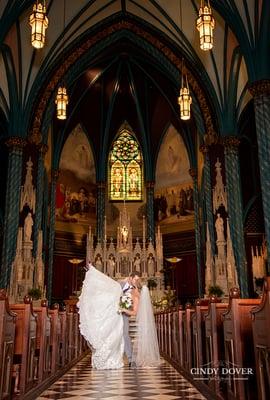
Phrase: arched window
[125,167]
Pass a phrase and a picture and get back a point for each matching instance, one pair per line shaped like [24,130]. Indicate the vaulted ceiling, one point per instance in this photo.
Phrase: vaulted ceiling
[121,59]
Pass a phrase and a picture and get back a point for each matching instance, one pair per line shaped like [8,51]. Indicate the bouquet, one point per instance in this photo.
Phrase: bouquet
[125,302]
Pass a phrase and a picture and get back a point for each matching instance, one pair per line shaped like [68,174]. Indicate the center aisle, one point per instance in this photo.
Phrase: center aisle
[82,382]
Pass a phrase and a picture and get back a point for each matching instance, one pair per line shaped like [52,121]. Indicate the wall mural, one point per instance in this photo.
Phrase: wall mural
[76,187]
[173,203]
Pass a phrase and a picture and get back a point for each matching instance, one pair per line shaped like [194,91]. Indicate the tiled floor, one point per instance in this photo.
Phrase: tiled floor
[81,382]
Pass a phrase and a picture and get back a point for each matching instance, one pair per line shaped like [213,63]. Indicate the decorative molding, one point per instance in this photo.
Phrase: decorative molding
[260,88]
[15,143]
[231,142]
[176,60]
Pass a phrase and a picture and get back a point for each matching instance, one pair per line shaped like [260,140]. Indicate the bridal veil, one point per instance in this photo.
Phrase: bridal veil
[145,347]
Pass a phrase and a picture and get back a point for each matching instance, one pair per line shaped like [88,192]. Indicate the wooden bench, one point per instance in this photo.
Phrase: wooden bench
[174,335]
[7,338]
[238,342]
[25,346]
[43,341]
[198,332]
[63,357]
[214,340]
[261,339]
[187,338]
[55,338]
[181,313]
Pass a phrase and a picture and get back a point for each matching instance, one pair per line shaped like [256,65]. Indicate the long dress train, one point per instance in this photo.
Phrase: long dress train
[100,323]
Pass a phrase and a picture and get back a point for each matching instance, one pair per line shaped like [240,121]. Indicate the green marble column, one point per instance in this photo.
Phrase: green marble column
[261,93]
[12,206]
[194,175]
[208,195]
[150,211]
[101,185]
[235,209]
[42,149]
[55,175]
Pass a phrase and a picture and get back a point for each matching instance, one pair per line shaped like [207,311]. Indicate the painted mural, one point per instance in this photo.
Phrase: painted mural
[76,187]
[173,202]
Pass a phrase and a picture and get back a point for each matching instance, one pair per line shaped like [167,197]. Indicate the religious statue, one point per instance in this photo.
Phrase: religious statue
[28,226]
[111,265]
[219,224]
[151,265]
[125,234]
[137,263]
[98,263]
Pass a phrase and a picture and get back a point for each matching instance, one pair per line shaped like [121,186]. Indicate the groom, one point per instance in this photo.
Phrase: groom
[128,286]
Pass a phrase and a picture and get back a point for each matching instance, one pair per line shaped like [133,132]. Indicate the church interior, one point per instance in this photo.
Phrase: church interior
[134,136]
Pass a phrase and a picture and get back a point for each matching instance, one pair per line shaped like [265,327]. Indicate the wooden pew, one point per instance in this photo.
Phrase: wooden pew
[63,338]
[70,334]
[174,335]
[214,340]
[187,338]
[55,338]
[181,313]
[25,345]
[198,332]
[7,338]
[261,339]
[238,342]
[43,341]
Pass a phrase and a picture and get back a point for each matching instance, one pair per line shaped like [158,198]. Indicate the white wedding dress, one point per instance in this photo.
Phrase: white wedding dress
[100,323]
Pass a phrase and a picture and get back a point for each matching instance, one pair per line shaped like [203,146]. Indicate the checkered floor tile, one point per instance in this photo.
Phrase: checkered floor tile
[82,382]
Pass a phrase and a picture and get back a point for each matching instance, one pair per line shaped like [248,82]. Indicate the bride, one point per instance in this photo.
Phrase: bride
[101,324]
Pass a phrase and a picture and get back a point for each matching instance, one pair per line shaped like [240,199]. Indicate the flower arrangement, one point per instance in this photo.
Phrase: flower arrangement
[35,293]
[125,302]
[215,290]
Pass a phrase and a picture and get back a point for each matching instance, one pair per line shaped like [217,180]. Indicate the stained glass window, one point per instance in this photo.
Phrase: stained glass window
[125,167]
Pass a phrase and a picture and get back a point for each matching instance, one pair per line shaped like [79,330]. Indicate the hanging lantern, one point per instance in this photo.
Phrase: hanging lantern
[39,23]
[61,103]
[184,100]
[205,24]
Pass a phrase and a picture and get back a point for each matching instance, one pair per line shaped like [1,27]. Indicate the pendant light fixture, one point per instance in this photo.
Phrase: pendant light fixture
[184,99]
[61,100]
[205,24]
[39,23]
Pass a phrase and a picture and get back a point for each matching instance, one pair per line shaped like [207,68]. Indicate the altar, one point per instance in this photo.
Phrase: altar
[118,257]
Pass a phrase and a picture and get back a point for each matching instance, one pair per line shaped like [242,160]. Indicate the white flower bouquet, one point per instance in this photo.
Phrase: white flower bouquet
[125,302]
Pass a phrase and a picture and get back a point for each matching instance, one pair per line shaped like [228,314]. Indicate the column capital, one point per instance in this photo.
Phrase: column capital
[231,142]
[260,87]
[193,172]
[55,174]
[15,143]
[150,184]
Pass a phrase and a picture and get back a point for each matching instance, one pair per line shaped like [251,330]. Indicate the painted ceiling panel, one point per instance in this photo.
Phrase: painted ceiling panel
[3,80]
[3,4]
[246,10]
[242,81]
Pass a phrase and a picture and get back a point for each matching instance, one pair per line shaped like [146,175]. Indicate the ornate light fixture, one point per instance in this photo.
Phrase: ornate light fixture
[61,103]
[39,23]
[61,100]
[205,24]
[184,99]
